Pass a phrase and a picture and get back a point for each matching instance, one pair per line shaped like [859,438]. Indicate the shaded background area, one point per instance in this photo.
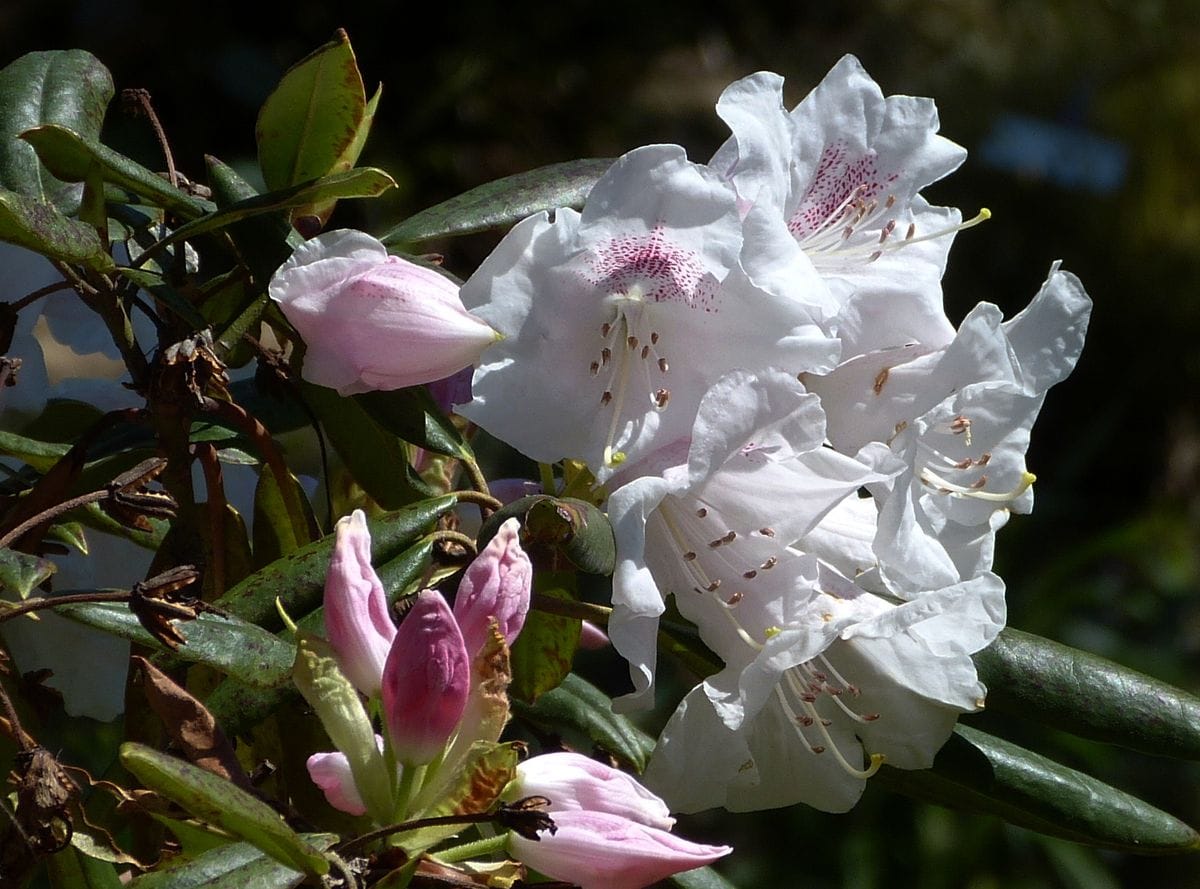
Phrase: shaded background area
[1083,123]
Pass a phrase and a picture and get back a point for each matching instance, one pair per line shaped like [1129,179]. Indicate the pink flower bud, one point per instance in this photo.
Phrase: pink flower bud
[331,772]
[598,850]
[426,681]
[496,587]
[374,321]
[572,781]
[357,623]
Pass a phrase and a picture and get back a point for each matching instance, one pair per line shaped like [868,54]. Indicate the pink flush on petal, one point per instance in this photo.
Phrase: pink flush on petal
[495,587]
[331,772]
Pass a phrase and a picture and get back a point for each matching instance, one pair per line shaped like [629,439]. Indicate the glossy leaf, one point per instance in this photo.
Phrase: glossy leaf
[412,415]
[559,532]
[38,226]
[504,202]
[578,706]
[315,122]
[1089,696]
[375,457]
[71,868]
[278,529]
[986,775]
[298,579]
[67,87]
[232,866]
[219,802]
[544,651]
[70,155]
[21,572]
[225,643]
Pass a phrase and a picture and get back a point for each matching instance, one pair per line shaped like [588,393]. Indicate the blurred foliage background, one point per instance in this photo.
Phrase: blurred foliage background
[1083,122]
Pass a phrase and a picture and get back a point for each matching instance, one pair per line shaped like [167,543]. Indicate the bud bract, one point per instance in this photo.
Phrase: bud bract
[426,681]
[495,586]
[357,623]
[371,320]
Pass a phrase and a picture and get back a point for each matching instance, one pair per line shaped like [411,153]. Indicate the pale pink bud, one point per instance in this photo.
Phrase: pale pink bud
[426,681]
[331,772]
[357,623]
[597,850]
[572,781]
[496,587]
[374,321]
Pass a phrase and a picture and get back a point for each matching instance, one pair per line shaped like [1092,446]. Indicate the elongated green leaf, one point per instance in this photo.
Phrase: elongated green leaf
[70,156]
[41,455]
[983,774]
[504,202]
[542,655]
[412,414]
[376,458]
[232,866]
[21,572]
[278,528]
[1089,696]
[700,878]
[71,869]
[220,802]
[578,706]
[38,226]
[298,580]
[316,121]
[559,532]
[229,644]
[67,87]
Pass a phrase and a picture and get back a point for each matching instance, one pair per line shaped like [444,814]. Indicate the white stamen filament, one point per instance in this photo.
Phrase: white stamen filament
[931,478]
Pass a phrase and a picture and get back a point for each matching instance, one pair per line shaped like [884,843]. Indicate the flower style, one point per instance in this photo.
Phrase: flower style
[714,527]
[371,320]
[357,623]
[950,427]
[617,320]
[839,178]
[609,831]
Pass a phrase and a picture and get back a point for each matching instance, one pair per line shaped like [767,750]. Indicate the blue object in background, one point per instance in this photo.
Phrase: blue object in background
[1067,156]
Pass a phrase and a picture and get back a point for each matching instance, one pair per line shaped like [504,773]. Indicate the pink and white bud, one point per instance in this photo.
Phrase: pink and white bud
[599,850]
[331,772]
[371,320]
[357,623]
[572,782]
[495,586]
[426,681]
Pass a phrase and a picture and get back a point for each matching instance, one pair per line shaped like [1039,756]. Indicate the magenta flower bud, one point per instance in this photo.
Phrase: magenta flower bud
[496,586]
[371,320]
[598,850]
[572,781]
[357,623]
[426,681]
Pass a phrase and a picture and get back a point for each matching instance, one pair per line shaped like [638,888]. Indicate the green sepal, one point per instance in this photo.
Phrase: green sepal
[578,707]
[504,202]
[1088,696]
[220,802]
[986,775]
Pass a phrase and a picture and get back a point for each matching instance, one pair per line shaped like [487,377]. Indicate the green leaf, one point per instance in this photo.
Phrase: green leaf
[315,122]
[21,572]
[67,87]
[554,529]
[298,579]
[1088,696]
[225,805]
[542,655]
[71,869]
[232,866]
[700,878]
[41,455]
[264,241]
[38,226]
[226,643]
[70,156]
[278,529]
[579,706]
[504,202]
[986,775]
[375,457]
[412,414]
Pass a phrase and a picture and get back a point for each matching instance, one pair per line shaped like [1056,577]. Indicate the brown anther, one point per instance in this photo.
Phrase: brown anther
[750,575]
[605,355]
[984,460]
[714,586]
[817,749]
[805,721]
[645,352]
[847,232]
[689,556]
[767,532]
[632,342]
[912,230]
[701,512]
[979,482]
[661,397]
[889,203]
[595,368]
[606,397]
[768,564]
[728,538]
[827,722]
[880,379]
[887,230]
[870,717]
[965,463]
[654,337]
[662,365]
[874,256]
[605,329]
[735,598]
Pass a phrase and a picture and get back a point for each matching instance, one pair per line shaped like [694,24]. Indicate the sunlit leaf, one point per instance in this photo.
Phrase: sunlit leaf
[20,572]
[544,651]
[232,866]
[38,226]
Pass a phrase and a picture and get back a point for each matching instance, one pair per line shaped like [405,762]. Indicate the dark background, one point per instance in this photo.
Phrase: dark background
[1083,122]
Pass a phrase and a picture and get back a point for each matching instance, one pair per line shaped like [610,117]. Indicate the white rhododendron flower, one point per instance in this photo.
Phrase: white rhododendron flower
[617,320]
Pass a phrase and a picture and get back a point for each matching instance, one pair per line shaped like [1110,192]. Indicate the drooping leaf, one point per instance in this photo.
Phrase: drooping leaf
[412,415]
[578,706]
[298,579]
[1089,696]
[67,87]
[219,802]
[983,774]
[544,651]
[504,202]
[315,122]
[21,572]
[226,643]
[232,866]
[40,227]
[70,155]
